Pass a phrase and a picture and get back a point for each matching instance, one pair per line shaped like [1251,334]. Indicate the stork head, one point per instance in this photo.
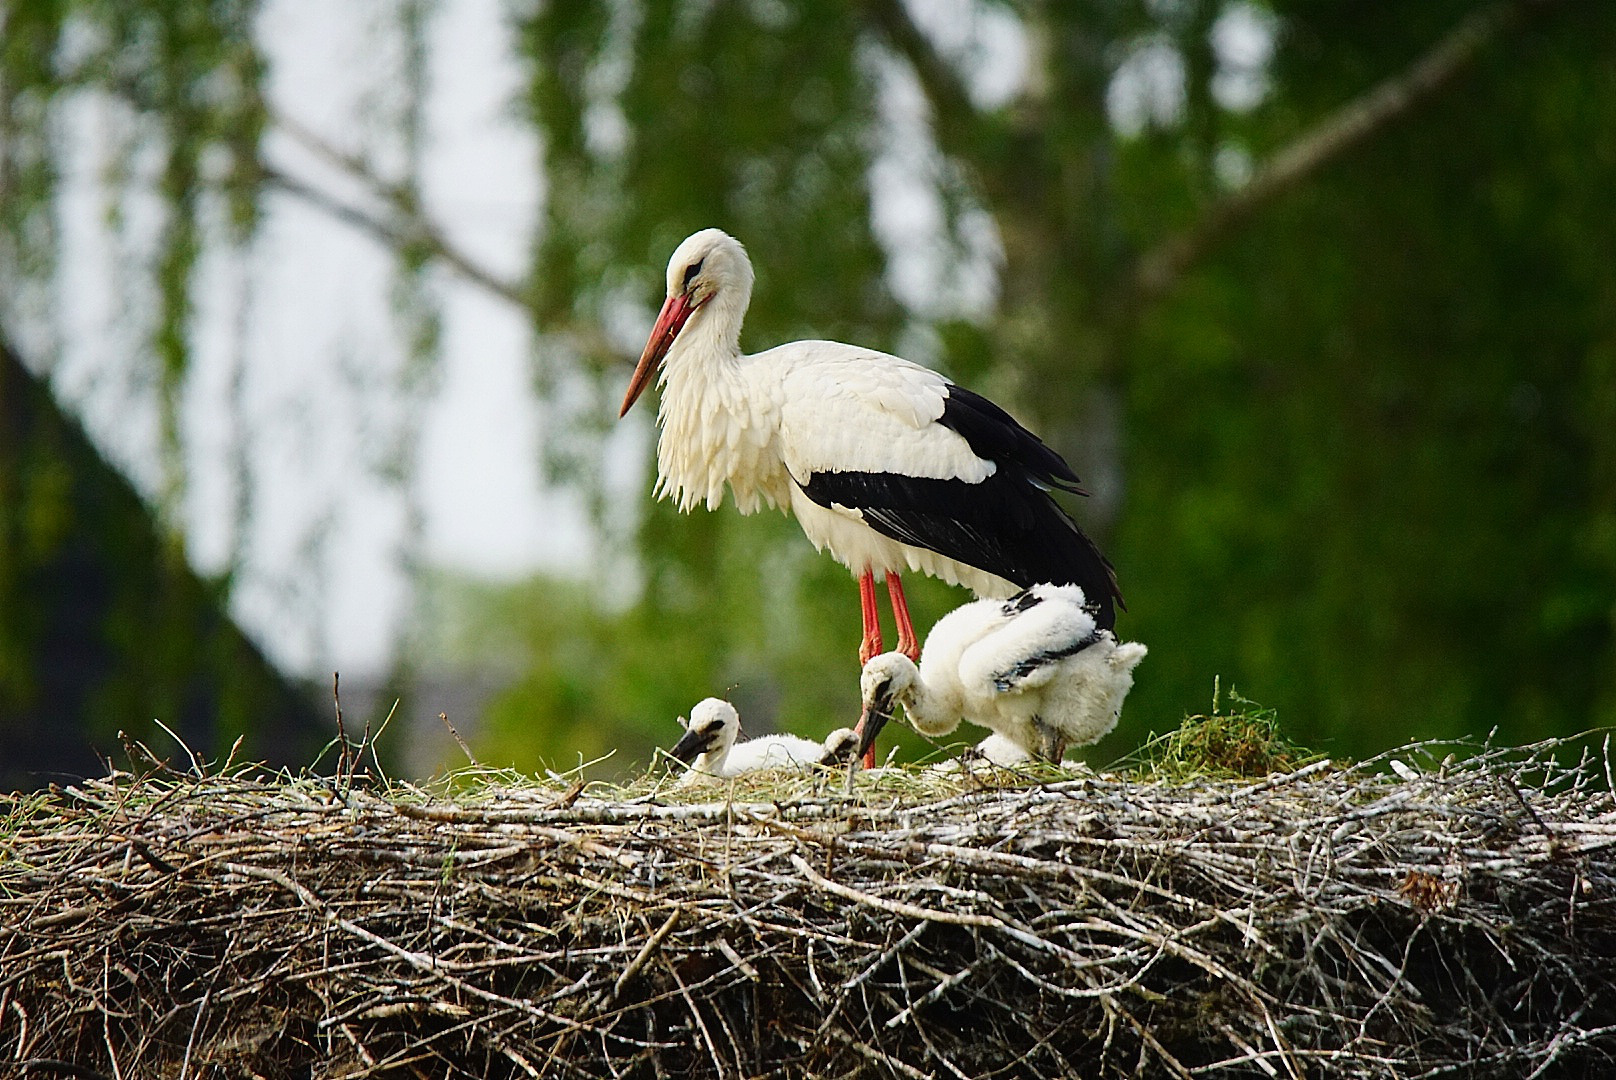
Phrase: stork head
[888,680]
[711,729]
[709,266]
[839,746]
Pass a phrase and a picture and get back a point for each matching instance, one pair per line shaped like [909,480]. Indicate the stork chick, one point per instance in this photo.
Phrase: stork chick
[1035,669]
[710,747]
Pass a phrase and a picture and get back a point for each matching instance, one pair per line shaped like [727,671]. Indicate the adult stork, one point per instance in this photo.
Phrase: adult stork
[887,464]
[1036,670]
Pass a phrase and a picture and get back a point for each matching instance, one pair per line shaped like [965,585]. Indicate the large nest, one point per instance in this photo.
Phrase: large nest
[1439,917]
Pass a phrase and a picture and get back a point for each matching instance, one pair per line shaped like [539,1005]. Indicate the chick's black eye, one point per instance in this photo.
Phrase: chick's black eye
[692,270]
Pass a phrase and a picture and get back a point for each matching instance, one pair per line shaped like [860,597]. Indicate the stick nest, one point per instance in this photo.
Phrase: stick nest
[1449,918]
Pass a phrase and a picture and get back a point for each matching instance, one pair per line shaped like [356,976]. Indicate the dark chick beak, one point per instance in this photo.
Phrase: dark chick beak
[870,723]
[671,319]
[691,745]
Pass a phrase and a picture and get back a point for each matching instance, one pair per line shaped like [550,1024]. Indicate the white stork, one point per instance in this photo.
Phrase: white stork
[886,463]
[709,745]
[1036,669]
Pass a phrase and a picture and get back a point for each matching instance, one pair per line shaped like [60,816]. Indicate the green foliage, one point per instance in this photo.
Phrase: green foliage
[1370,442]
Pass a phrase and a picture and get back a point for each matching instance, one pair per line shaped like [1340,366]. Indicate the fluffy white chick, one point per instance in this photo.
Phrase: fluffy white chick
[710,747]
[1034,669]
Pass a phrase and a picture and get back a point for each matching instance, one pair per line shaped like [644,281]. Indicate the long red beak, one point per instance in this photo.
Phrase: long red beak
[675,312]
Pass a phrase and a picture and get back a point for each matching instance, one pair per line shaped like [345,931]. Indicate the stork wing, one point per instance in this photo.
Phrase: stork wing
[852,410]
[933,465]
[1022,654]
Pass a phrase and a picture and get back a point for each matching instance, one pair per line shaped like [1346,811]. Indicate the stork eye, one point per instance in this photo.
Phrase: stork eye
[691,271]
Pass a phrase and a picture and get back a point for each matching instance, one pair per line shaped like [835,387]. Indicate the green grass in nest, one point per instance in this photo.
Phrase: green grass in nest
[1239,741]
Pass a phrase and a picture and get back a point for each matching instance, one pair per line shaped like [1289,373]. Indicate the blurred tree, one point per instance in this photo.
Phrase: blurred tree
[1316,297]
[104,625]
[101,629]
[1370,439]
[1243,296]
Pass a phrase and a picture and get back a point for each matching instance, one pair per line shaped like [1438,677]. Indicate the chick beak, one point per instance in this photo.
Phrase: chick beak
[691,745]
[870,723]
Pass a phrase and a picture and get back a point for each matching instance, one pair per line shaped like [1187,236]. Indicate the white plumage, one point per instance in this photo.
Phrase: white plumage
[1002,750]
[995,749]
[1035,670]
[886,464]
[710,748]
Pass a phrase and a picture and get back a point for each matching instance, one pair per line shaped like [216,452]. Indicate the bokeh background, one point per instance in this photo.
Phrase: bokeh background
[317,317]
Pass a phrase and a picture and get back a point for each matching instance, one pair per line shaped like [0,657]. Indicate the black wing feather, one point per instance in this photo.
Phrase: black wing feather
[1025,600]
[1005,525]
[1008,524]
[994,434]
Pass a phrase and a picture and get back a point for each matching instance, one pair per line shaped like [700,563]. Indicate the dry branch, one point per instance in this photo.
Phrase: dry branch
[1159,270]
[1451,920]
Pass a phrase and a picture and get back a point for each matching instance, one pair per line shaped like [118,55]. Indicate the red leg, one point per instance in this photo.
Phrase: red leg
[908,644]
[871,645]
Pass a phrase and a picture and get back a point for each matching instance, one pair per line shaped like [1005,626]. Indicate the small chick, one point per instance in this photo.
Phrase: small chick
[710,748]
[1034,669]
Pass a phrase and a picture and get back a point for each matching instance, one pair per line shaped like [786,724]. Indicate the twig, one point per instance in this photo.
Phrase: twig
[651,945]
[196,765]
[1158,270]
[443,716]
[52,1067]
[344,770]
[894,907]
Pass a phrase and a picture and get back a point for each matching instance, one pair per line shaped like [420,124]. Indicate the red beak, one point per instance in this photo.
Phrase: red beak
[675,312]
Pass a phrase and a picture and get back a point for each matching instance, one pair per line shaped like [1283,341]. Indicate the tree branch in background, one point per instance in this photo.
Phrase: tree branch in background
[383,231]
[410,222]
[1160,269]
[955,120]
[407,222]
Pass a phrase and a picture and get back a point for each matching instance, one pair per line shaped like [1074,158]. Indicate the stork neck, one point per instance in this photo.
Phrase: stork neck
[712,762]
[930,712]
[717,417]
[712,337]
